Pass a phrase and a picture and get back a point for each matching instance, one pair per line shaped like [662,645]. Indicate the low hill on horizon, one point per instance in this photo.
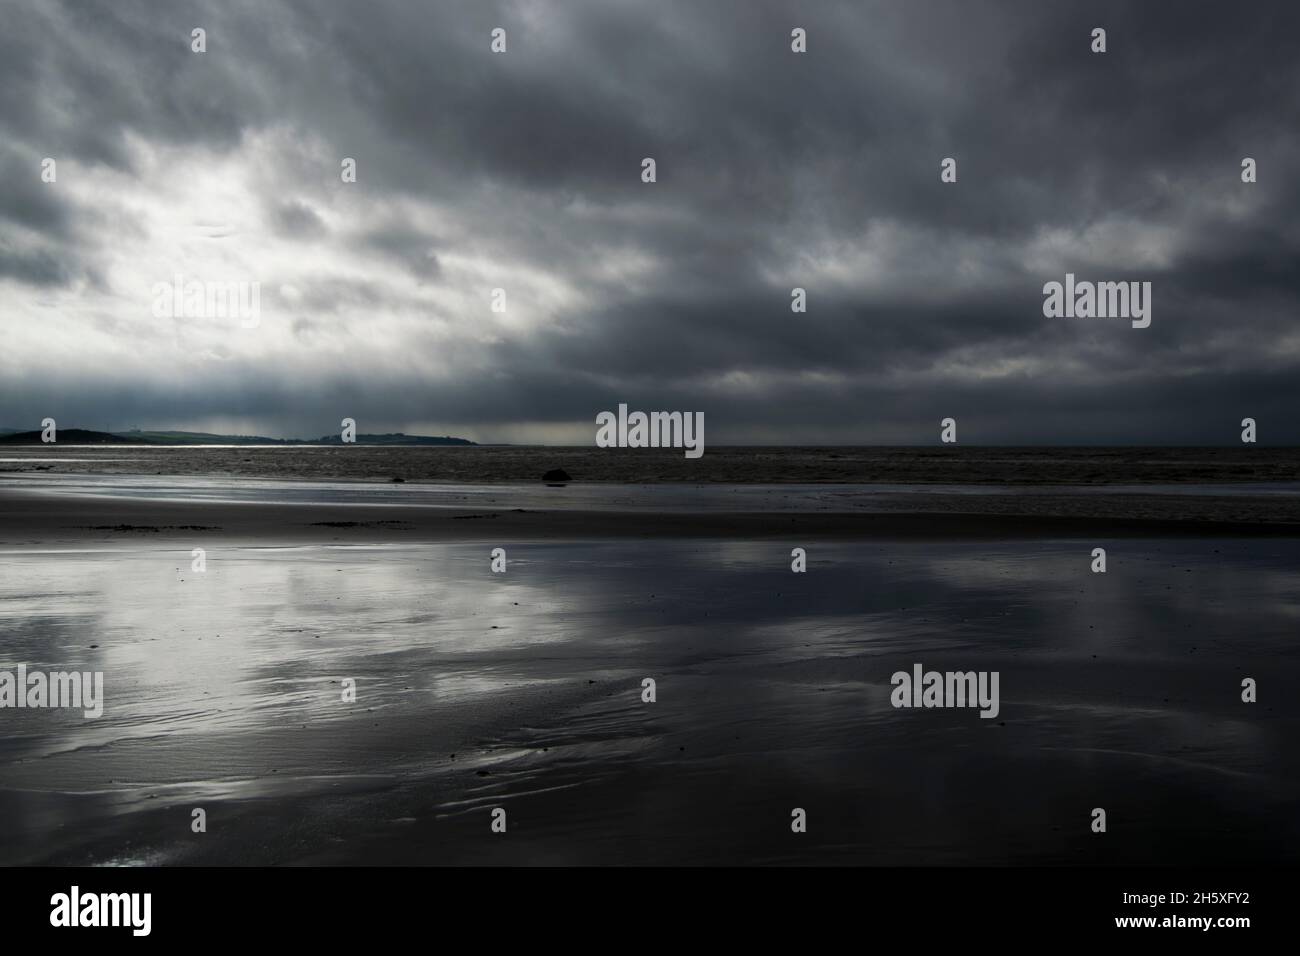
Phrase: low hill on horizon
[392,438]
[83,436]
[69,436]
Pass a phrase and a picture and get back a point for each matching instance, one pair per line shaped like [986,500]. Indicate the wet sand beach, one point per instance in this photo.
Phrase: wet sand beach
[523,690]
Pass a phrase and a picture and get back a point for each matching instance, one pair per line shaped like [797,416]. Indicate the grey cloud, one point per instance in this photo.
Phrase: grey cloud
[771,166]
[297,219]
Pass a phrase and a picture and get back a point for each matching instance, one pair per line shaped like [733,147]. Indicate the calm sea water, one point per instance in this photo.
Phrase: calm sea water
[939,464]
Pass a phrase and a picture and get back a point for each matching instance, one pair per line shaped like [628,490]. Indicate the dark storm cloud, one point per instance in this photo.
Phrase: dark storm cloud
[34,268]
[297,219]
[416,250]
[775,170]
[25,204]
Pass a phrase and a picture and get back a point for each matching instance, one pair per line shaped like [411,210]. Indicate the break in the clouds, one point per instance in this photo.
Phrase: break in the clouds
[522,171]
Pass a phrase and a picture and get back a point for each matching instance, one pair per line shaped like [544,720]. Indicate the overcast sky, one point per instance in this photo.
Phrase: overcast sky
[522,171]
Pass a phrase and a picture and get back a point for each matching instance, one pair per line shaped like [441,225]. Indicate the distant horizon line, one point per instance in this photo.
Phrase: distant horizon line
[430,441]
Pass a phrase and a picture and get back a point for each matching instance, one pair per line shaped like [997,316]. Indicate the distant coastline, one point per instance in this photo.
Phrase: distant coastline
[83,436]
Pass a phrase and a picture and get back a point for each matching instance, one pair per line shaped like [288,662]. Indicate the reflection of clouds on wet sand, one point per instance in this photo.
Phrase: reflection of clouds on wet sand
[773,691]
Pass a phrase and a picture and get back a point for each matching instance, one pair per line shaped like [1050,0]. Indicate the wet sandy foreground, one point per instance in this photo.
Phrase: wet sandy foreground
[523,690]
